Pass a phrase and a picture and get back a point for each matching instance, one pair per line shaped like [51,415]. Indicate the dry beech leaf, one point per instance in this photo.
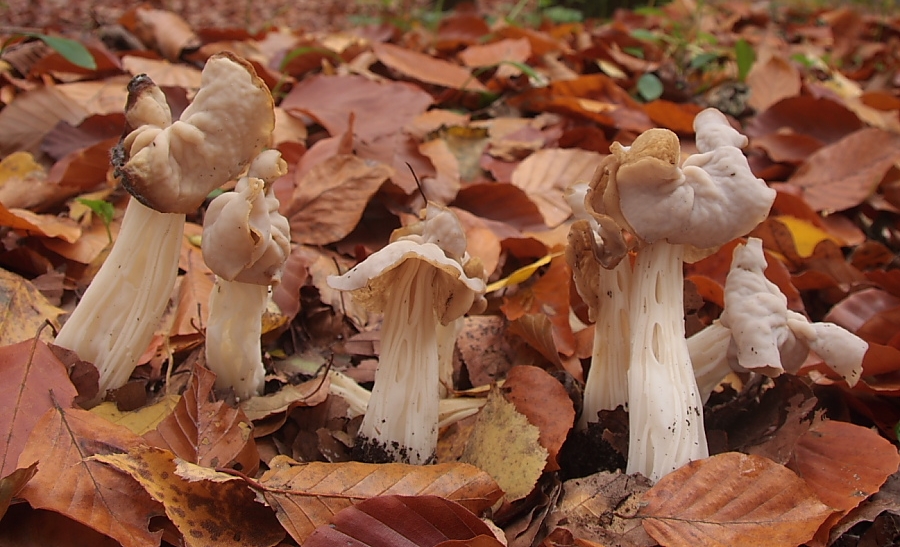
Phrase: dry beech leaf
[165,30]
[23,309]
[505,445]
[330,199]
[842,175]
[401,521]
[515,50]
[13,483]
[546,174]
[32,378]
[210,509]
[546,404]
[207,432]
[306,496]
[381,108]
[791,148]
[309,393]
[732,499]
[823,119]
[191,313]
[30,223]
[25,121]
[599,506]
[843,463]
[68,481]
[163,73]
[27,527]
[679,117]
[138,421]
[426,68]
[485,348]
[771,80]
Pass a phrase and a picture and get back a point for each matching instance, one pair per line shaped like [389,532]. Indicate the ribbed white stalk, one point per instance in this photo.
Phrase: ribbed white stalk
[116,318]
[709,357]
[606,386]
[665,410]
[233,334]
[402,416]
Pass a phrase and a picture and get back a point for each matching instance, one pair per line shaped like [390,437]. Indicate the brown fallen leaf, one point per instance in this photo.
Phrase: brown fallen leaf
[68,481]
[546,174]
[330,199]
[12,484]
[732,499]
[309,393]
[209,508]
[27,222]
[598,508]
[426,68]
[206,432]
[165,30]
[771,79]
[33,378]
[138,421]
[546,404]
[403,521]
[24,310]
[27,527]
[505,445]
[842,175]
[306,496]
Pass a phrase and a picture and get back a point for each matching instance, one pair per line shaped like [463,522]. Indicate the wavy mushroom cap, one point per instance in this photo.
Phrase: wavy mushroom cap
[173,169]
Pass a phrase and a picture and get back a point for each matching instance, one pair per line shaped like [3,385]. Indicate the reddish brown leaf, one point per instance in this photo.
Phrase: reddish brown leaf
[27,527]
[823,119]
[496,52]
[329,201]
[32,379]
[546,174]
[771,80]
[679,117]
[546,404]
[380,108]
[402,521]
[843,463]
[12,484]
[68,481]
[207,432]
[787,147]
[426,68]
[843,174]
[309,495]
[732,499]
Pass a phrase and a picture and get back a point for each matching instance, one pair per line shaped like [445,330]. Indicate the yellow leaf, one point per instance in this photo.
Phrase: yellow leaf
[506,446]
[23,310]
[806,234]
[522,274]
[138,421]
[20,167]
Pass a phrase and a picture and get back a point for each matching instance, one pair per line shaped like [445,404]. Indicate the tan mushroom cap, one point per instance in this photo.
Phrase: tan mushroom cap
[229,122]
[245,238]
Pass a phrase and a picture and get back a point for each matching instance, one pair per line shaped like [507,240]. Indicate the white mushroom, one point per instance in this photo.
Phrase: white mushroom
[169,168]
[421,281]
[245,243]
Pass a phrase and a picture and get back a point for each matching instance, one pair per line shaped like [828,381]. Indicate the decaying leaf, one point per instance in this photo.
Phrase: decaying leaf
[209,508]
[207,432]
[306,496]
[68,481]
[33,381]
[138,421]
[505,445]
[732,499]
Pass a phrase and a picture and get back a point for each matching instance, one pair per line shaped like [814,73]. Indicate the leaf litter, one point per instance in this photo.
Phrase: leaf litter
[496,119]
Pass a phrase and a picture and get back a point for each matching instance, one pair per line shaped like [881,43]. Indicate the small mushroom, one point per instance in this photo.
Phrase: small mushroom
[422,281]
[245,243]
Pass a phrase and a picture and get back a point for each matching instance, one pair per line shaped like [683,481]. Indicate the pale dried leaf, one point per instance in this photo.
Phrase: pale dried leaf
[545,175]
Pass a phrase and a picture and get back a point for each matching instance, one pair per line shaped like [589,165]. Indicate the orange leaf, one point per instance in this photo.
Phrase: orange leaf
[771,80]
[207,433]
[68,481]
[843,463]
[32,378]
[546,404]
[518,50]
[732,499]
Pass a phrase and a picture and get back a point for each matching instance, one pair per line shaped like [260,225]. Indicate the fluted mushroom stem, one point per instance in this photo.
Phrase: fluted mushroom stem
[232,336]
[116,318]
[665,410]
[402,417]
[606,386]
[709,357]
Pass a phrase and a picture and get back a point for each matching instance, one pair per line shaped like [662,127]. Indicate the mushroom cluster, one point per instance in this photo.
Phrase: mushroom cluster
[643,198]
[422,281]
[169,168]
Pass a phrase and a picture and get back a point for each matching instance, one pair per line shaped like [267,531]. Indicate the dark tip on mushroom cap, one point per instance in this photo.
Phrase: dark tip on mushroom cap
[136,86]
